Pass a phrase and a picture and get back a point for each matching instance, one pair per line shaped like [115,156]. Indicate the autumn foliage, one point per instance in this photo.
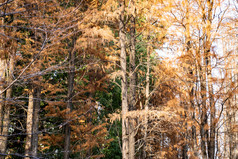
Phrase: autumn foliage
[131,79]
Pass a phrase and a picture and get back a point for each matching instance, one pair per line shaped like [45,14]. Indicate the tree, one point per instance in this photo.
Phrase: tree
[200,40]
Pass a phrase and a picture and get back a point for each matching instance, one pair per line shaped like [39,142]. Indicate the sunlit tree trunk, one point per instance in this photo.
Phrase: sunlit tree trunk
[29,124]
[32,122]
[2,96]
[3,68]
[122,36]
[189,73]
[230,120]
[207,20]
[211,148]
[132,85]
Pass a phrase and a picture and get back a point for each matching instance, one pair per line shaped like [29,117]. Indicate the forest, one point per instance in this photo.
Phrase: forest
[119,79]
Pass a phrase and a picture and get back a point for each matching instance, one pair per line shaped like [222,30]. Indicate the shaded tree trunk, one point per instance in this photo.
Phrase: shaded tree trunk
[5,105]
[69,102]
[36,110]
[212,138]
[147,93]
[203,124]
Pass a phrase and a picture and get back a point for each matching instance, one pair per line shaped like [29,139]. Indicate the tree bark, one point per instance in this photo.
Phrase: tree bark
[204,124]
[122,36]
[212,138]
[190,75]
[211,149]
[69,102]
[5,104]
[36,110]
[6,119]
[132,85]
[147,98]
[2,96]
[29,125]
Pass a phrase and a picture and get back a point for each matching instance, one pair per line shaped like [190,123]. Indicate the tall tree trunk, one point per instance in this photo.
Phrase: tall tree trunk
[122,36]
[190,75]
[29,124]
[207,77]
[5,105]
[212,138]
[211,144]
[32,121]
[147,94]
[132,86]
[69,102]
[2,96]
[204,124]
[6,119]
[36,110]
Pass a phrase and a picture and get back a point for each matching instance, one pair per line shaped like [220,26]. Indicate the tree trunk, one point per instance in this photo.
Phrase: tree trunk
[29,125]
[5,104]
[147,93]
[69,102]
[2,80]
[207,76]
[132,87]
[190,75]
[6,119]
[230,133]
[211,148]
[36,110]
[204,124]
[122,36]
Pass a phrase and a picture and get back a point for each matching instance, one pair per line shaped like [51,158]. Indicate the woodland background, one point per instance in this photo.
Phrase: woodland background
[118,79]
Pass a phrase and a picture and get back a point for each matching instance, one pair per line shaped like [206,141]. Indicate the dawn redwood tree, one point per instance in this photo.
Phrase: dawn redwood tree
[25,32]
[201,28]
[130,27]
[86,73]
